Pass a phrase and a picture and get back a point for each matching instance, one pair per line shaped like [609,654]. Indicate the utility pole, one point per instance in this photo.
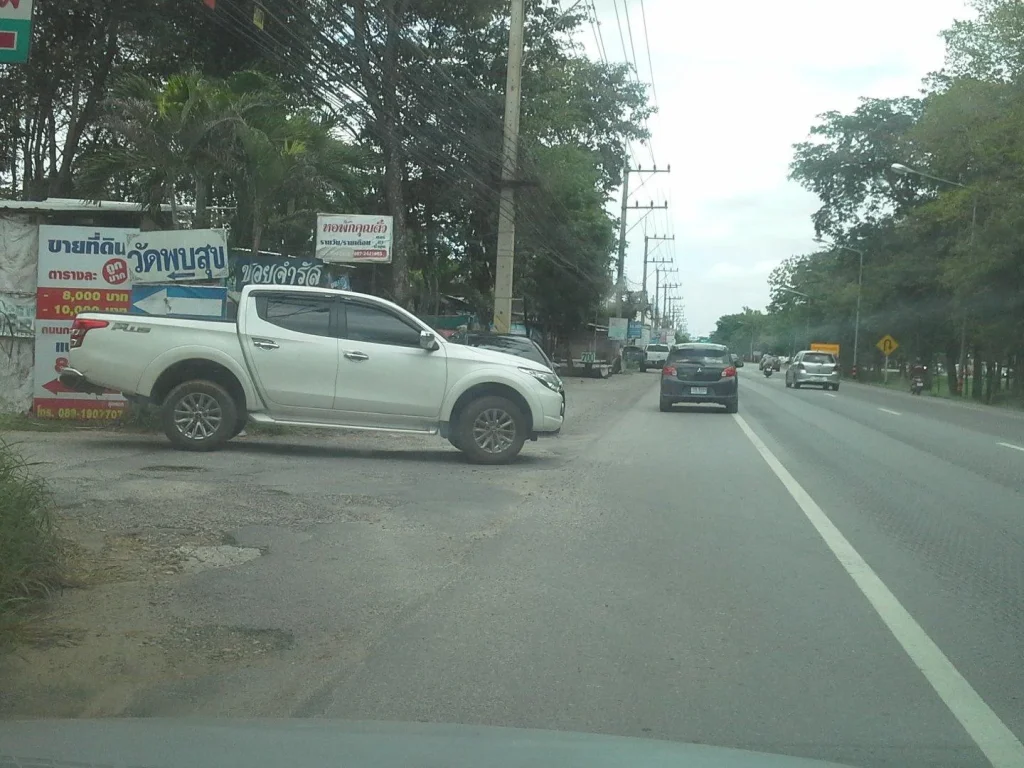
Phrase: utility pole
[667,287]
[626,207]
[510,160]
[647,246]
[657,296]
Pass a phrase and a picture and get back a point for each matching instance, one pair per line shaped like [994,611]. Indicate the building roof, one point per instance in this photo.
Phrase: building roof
[71,205]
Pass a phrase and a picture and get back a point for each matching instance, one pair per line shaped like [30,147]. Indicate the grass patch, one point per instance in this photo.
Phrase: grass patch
[139,418]
[23,422]
[32,556]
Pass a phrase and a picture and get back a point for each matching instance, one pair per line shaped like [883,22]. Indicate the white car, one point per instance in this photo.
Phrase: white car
[319,358]
[655,355]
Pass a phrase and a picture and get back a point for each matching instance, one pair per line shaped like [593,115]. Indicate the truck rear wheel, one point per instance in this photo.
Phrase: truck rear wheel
[491,430]
[199,415]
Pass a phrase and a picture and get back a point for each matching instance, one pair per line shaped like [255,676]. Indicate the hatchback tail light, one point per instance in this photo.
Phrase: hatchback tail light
[82,326]
[668,370]
[729,372]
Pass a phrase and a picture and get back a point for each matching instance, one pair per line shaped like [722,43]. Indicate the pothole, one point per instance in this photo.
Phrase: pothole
[172,468]
[195,559]
[220,643]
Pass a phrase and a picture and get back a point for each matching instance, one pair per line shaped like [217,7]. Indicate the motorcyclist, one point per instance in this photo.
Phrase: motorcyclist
[917,372]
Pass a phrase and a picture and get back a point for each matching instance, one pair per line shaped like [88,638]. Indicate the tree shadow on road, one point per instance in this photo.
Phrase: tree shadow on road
[279,447]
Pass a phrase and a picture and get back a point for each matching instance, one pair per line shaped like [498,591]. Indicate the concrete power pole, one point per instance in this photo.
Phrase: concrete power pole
[647,245]
[667,287]
[510,160]
[656,304]
[626,208]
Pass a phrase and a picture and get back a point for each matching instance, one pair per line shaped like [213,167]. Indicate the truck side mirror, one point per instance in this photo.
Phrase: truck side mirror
[427,341]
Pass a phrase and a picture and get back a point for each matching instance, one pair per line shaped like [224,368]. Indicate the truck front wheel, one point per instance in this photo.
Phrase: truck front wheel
[491,430]
[199,416]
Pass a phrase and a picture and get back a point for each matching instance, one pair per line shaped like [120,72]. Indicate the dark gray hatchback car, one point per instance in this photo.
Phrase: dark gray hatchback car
[700,373]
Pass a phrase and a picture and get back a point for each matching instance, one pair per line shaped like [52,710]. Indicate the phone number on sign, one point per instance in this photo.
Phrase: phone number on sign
[79,414]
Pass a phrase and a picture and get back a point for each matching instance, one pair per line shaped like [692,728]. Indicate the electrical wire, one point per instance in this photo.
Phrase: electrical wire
[447,174]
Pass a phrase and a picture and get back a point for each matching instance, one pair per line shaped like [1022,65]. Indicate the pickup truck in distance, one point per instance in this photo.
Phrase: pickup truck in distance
[321,358]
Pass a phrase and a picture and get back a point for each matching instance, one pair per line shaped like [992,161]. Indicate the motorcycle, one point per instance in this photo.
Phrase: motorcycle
[768,371]
[917,379]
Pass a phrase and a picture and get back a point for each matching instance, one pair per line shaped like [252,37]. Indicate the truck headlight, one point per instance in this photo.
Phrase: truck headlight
[549,380]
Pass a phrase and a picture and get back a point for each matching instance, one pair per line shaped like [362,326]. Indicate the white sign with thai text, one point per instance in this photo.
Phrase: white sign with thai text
[176,255]
[343,238]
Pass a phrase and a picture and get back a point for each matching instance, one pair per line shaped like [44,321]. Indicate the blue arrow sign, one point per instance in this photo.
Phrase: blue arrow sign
[203,301]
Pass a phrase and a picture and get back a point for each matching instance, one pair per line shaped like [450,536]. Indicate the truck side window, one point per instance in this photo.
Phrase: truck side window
[376,326]
[302,314]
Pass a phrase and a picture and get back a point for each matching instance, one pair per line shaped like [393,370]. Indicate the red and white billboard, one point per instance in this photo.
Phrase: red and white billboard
[81,269]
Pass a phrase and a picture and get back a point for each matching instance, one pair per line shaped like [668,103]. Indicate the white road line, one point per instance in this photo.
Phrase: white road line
[1011,445]
[894,413]
[1002,748]
[829,394]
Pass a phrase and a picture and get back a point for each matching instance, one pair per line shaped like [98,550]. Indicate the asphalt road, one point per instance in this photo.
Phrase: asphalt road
[829,575]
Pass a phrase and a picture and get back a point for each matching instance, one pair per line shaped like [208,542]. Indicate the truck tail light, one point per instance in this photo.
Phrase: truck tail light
[82,326]
[668,370]
[729,372]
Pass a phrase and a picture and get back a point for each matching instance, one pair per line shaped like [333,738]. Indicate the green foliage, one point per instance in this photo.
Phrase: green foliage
[31,556]
[941,250]
[370,106]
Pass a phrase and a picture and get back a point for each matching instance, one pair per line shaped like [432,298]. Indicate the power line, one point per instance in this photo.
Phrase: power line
[442,103]
[647,45]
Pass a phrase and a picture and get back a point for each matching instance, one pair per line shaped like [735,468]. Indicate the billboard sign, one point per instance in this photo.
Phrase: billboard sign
[81,269]
[173,255]
[343,238]
[15,31]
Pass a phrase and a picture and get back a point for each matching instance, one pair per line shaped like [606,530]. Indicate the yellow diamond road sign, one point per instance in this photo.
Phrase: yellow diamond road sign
[887,344]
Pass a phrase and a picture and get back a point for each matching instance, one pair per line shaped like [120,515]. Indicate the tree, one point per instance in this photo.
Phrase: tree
[566,245]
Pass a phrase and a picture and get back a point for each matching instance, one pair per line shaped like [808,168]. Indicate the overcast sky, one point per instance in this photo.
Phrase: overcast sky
[738,83]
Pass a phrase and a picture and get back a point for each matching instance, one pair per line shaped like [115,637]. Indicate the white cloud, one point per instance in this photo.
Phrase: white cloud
[738,84]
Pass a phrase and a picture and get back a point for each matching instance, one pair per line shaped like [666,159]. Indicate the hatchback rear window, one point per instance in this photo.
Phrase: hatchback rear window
[520,346]
[657,348]
[818,357]
[700,353]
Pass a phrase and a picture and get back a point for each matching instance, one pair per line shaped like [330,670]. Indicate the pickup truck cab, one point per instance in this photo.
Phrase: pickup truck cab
[319,358]
[655,355]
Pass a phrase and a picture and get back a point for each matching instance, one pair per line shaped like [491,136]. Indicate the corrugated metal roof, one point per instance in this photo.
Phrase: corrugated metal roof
[67,204]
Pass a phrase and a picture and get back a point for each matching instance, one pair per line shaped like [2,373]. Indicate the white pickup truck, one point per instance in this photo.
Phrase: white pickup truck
[320,358]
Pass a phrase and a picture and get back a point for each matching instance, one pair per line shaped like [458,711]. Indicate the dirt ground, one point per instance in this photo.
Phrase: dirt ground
[168,548]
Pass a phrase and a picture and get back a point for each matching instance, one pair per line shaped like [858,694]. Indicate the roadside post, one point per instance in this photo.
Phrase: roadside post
[887,345]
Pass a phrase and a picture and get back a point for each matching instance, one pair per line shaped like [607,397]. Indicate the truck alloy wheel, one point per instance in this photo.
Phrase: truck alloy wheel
[199,416]
[492,430]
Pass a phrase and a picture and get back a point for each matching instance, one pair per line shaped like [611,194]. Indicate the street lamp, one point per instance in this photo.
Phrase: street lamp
[905,170]
[860,286]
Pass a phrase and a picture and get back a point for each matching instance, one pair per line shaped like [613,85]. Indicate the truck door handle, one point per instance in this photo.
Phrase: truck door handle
[264,343]
[357,356]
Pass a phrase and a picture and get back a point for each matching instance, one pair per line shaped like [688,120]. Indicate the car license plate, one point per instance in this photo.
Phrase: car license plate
[698,390]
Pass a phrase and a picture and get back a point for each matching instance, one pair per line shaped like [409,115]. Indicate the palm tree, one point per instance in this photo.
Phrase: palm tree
[163,139]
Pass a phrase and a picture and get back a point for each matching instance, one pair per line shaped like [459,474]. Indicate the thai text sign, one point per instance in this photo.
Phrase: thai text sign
[168,256]
[344,238]
[274,269]
[81,269]
[15,30]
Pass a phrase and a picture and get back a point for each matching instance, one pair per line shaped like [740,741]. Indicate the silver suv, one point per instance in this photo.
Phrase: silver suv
[810,367]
